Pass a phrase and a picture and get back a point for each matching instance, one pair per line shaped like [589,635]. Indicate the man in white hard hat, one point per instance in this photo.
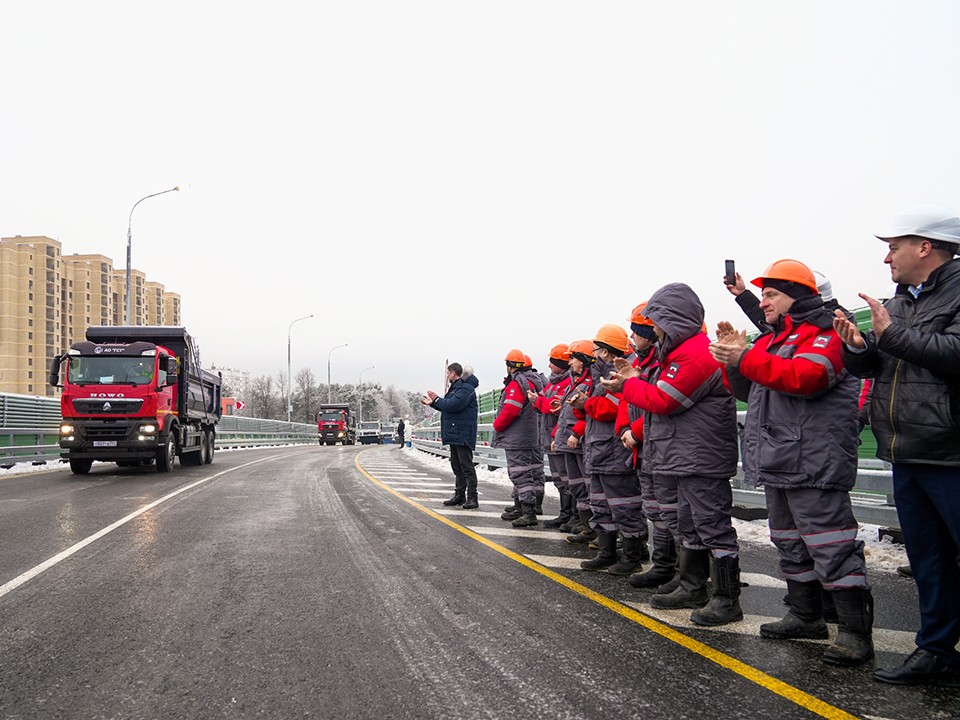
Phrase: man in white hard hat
[912,355]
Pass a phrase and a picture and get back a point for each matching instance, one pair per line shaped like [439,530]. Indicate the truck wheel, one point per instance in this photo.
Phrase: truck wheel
[211,445]
[166,455]
[80,467]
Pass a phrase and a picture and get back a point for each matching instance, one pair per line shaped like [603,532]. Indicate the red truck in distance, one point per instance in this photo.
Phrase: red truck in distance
[335,425]
[136,396]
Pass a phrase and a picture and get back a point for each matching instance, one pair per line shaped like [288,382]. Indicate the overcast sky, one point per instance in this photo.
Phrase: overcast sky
[447,180]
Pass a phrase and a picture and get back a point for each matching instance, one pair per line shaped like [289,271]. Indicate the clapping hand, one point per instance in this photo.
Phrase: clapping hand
[730,344]
[623,371]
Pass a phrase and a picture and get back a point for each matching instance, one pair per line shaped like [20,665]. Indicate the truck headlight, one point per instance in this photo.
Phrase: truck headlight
[148,428]
[66,429]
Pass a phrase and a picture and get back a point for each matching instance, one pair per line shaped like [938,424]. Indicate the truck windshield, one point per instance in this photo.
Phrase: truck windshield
[335,416]
[370,426]
[114,370]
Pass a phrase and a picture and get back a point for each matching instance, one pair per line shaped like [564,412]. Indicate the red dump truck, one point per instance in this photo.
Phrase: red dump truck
[335,425]
[136,396]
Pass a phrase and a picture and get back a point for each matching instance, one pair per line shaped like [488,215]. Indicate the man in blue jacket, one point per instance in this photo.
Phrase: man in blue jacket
[458,430]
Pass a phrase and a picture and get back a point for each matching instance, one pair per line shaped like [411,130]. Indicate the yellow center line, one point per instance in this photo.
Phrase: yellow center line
[768,682]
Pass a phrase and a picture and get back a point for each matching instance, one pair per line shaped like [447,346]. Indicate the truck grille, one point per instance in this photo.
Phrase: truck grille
[108,406]
[108,431]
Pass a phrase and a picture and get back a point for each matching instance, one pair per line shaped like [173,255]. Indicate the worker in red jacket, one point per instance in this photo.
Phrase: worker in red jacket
[615,498]
[690,441]
[556,386]
[800,444]
[568,440]
[516,431]
[630,420]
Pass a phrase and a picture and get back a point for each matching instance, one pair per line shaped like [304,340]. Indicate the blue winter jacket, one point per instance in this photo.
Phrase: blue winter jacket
[458,412]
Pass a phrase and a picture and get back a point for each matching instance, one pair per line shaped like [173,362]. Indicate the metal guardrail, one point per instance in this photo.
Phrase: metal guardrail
[29,431]
[872,496]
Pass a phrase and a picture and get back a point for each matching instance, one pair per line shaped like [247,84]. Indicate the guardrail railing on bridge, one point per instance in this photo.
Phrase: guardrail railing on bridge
[29,431]
[872,497]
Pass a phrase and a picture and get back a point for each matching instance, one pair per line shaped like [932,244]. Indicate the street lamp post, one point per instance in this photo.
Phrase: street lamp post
[329,388]
[360,389]
[130,243]
[289,386]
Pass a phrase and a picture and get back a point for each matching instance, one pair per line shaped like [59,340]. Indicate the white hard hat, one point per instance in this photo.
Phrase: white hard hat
[931,221]
[824,286]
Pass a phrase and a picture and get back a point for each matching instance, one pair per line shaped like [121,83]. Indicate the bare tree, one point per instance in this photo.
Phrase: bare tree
[305,395]
[263,400]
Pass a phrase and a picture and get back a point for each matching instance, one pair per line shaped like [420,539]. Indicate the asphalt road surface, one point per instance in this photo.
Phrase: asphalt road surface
[330,582]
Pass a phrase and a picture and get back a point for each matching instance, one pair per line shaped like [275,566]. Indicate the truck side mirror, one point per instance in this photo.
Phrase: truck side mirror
[55,371]
[171,371]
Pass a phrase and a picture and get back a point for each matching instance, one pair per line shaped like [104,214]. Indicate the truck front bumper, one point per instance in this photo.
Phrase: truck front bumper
[109,439]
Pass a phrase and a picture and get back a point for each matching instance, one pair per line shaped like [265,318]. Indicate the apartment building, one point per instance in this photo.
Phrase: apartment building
[47,301]
[30,313]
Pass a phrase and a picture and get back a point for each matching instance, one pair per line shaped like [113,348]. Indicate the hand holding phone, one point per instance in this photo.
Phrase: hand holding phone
[729,273]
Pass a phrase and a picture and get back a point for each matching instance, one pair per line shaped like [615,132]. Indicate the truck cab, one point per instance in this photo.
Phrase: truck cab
[335,425]
[370,433]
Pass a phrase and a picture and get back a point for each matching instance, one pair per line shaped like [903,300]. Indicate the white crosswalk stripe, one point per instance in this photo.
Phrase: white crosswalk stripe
[408,483]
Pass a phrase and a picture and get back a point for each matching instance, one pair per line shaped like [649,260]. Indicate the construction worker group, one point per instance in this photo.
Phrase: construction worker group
[640,431]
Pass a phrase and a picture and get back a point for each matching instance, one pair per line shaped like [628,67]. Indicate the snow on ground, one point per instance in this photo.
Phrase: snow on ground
[881,555]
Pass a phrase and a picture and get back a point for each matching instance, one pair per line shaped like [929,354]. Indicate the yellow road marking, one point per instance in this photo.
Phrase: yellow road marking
[768,682]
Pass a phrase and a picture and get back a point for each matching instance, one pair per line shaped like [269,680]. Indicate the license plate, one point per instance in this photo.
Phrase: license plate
[104,443]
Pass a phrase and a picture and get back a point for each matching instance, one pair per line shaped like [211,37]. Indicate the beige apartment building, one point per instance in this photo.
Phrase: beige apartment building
[47,301]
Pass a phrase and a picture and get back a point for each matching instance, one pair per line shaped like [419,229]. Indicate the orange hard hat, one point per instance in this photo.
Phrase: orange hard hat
[515,358]
[560,352]
[789,271]
[582,350]
[638,318]
[613,336]
[527,361]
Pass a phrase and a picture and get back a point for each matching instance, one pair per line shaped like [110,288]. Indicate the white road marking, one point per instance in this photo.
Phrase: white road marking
[406,488]
[552,561]
[60,557]
[762,580]
[408,483]
[471,513]
[516,532]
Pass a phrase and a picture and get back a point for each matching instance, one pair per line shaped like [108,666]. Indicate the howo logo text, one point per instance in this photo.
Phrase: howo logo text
[107,395]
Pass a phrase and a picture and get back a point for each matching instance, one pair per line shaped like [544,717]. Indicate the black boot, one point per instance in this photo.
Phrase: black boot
[664,563]
[631,559]
[472,503]
[586,533]
[566,510]
[829,608]
[691,591]
[724,606]
[457,499]
[572,524]
[607,554]
[804,620]
[513,512]
[854,643]
[528,516]
[539,503]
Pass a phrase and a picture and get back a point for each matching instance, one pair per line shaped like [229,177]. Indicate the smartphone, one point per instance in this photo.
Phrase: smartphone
[729,273]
